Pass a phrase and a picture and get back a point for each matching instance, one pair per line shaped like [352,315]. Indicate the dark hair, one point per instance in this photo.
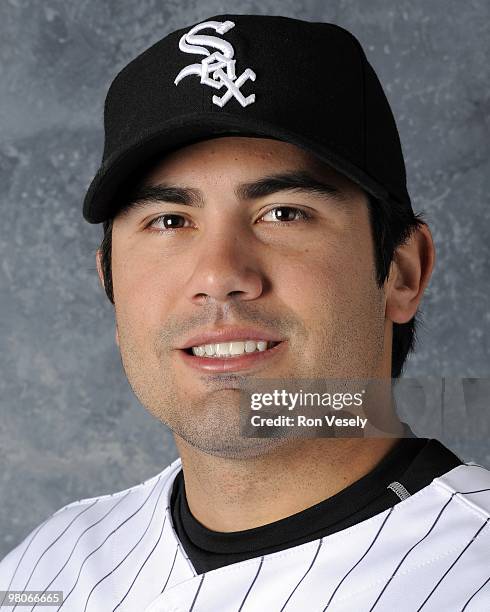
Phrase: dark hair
[391,226]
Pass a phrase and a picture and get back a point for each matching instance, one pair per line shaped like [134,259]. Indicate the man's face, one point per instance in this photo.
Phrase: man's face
[234,245]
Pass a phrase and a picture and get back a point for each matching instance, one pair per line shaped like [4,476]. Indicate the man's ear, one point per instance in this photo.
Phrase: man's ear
[410,272]
[98,260]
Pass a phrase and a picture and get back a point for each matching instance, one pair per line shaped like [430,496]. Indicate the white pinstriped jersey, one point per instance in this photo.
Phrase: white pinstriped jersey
[429,552]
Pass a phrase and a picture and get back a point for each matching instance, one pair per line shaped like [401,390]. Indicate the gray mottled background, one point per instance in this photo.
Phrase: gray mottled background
[70,426]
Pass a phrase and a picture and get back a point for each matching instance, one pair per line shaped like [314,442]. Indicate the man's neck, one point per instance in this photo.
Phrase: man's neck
[229,495]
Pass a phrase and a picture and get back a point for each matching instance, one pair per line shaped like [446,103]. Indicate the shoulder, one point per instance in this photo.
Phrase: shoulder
[80,526]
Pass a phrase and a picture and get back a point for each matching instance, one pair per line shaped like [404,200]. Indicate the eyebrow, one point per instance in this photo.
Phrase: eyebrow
[298,181]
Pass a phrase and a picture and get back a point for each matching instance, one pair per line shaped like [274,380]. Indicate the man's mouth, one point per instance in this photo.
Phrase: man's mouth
[230,349]
[233,355]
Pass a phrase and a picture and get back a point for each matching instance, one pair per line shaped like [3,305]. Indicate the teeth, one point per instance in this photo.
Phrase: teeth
[237,348]
[250,346]
[229,349]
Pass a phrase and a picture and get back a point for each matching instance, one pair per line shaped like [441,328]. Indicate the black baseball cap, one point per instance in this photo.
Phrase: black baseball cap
[308,84]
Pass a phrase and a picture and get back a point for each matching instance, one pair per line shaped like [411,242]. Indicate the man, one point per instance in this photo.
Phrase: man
[257,225]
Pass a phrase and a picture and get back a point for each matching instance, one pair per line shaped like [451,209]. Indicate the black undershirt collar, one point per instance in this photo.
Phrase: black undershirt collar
[414,462]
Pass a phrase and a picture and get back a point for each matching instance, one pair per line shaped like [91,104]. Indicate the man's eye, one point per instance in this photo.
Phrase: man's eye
[168,221]
[286,213]
[278,214]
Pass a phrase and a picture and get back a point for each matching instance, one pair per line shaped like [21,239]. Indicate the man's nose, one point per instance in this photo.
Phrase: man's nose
[225,265]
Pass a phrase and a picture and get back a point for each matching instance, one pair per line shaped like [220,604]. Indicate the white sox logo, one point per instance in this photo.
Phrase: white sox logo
[211,67]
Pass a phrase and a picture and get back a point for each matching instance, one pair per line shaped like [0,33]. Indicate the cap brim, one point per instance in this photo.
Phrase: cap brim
[104,193]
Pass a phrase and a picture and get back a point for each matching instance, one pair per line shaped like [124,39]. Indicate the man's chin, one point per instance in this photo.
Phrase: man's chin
[239,447]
